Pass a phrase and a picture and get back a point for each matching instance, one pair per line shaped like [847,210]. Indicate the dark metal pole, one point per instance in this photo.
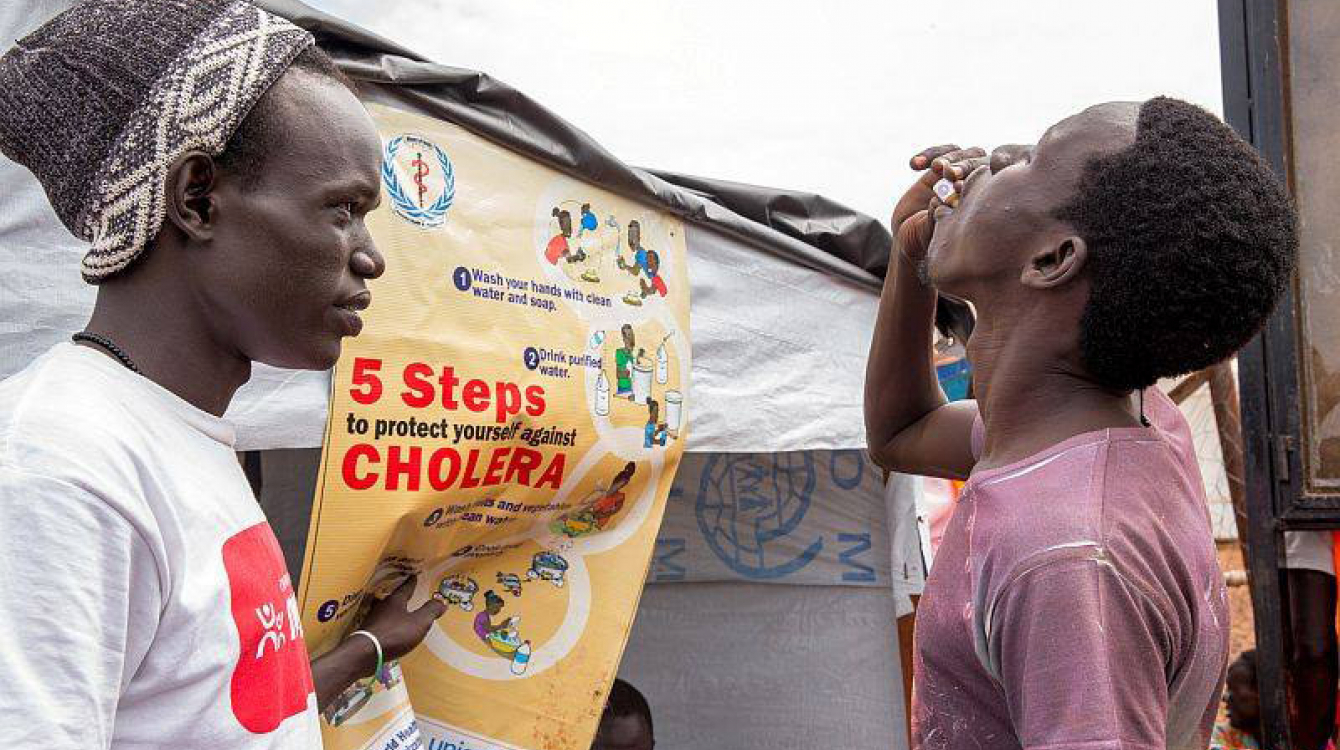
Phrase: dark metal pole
[1250,50]
[1269,593]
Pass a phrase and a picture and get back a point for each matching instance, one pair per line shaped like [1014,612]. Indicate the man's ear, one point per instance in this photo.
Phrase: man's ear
[1056,264]
[191,204]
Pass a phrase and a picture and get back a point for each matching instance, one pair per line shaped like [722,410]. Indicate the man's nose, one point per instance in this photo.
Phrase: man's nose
[368,261]
[1004,156]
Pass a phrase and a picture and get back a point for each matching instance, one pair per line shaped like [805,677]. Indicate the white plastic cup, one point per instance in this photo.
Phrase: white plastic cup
[674,410]
[641,382]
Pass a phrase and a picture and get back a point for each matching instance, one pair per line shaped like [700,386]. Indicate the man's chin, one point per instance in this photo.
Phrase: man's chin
[322,356]
[326,357]
[943,277]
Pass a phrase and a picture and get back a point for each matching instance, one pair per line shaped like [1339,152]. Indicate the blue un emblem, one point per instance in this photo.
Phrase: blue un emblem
[750,510]
[419,180]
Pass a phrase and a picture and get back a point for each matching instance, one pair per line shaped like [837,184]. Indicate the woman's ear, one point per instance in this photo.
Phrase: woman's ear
[191,204]
[1057,264]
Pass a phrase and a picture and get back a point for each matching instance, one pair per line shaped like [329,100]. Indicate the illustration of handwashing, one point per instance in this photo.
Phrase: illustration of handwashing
[645,266]
[547,566]
[577,242]
[586,237]
[459,590]
[589,221]
[558,247]
[502,638]
[653,281]
[596,513]
[634,246]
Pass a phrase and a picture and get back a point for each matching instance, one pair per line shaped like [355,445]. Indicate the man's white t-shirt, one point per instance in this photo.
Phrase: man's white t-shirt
[144,601]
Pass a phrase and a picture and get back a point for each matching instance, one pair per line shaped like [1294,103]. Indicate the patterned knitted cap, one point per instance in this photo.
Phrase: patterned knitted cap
[98,102]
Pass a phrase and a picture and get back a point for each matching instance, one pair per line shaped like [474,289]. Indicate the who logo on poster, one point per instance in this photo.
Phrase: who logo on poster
[419,180]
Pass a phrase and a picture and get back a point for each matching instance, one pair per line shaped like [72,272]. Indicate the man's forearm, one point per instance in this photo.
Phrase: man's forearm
[350,661]
[900,382]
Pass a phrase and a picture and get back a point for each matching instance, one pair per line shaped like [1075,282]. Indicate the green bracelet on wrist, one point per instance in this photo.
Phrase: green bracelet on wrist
[376,644]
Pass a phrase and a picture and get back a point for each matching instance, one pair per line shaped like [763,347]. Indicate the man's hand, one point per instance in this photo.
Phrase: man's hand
[399,629]
[908,424]
[914,215]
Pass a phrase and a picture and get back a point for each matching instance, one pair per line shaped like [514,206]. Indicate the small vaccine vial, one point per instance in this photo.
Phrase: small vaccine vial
[944,190]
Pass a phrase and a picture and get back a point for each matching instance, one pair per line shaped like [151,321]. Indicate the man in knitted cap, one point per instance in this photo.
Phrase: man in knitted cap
[220,169]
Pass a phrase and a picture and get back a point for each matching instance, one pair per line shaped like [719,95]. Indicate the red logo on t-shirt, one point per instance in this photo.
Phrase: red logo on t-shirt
[273,677]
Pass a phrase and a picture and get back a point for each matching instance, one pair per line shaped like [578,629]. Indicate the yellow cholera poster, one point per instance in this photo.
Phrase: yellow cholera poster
[507,426]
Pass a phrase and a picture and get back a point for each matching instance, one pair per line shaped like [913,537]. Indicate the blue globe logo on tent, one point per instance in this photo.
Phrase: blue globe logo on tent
[750,509]
[419,180]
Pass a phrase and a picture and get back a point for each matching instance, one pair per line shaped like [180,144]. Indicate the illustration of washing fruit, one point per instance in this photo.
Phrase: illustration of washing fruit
[510,582]
[458,590]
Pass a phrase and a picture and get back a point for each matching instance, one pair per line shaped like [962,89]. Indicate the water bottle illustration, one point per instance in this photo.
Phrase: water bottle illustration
[662,365]
[602,395]
[521,659]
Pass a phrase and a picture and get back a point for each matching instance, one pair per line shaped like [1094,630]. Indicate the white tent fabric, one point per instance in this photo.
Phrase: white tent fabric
[17,19]
[790,666]
[779,351]
[42,300]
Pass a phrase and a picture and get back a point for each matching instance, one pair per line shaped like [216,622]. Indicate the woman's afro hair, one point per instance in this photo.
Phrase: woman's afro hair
[1191,242]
